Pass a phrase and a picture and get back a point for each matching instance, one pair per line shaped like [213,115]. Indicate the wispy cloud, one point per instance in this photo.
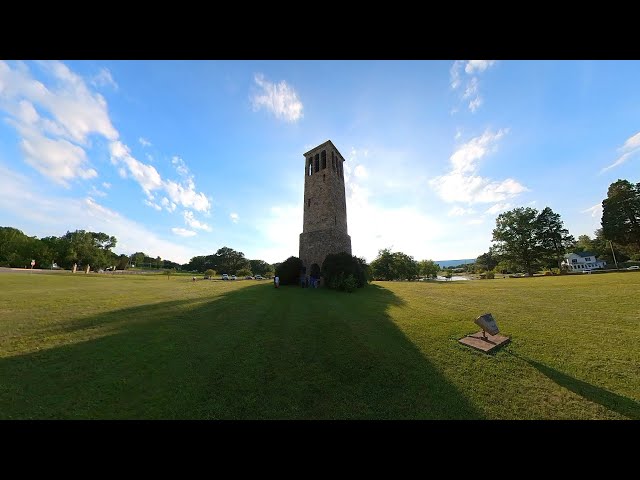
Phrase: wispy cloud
[180,166]
[498,208]
[478,66]
[149,179]
[183,232]
[472,89]
[191,221]
[630,148]
[280,99]
[168,205]
[234,217]
[106,185]
[459,211]
[144,142]
[595,211]
[462,184]
[152,204]
[97,193]
[104,78]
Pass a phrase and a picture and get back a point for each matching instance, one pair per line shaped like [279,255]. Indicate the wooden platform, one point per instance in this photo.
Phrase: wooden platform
[477,341]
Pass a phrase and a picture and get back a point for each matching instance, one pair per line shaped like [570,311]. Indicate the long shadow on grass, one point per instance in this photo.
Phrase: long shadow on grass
[256,352]
[618,403]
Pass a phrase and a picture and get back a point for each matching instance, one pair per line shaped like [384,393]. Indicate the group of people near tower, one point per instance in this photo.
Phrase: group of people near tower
[309,281]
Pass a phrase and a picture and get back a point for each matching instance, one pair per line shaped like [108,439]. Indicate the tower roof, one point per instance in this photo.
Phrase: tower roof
[322,145]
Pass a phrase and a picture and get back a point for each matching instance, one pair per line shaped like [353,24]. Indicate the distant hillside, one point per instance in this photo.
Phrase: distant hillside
[452,263]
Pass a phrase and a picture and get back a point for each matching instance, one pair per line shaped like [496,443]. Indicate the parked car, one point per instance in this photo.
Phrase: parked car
[634,267]
[248,277]
[259,277]
[233,277]
[225,276]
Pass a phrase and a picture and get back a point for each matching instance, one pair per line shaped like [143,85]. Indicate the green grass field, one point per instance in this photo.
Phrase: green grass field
[91,346]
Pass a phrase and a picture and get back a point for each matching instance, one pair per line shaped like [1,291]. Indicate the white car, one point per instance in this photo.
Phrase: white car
[233,277]
[225,276]
[634,267]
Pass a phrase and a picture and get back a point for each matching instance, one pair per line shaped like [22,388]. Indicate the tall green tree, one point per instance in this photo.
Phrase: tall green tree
[489,260]
[260,267]
[554,238]
[621,213]
[228,260]
[390,265]
[517,239]
[428,268]
[382,267]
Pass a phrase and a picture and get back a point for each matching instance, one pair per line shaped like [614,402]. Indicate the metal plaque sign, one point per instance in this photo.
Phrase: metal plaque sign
[487,323]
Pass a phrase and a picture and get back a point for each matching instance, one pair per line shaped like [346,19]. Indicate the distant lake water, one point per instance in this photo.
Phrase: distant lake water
[454,278]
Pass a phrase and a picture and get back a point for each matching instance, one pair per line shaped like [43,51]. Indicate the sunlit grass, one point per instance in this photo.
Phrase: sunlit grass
[91,346]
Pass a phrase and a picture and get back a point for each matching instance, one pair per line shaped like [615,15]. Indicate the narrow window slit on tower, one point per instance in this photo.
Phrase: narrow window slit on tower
[310,166]
[316,163]
[323,177]
[308,202]
[323,156]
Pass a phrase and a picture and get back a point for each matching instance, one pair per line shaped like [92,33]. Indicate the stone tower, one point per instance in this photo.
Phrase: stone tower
[324,228]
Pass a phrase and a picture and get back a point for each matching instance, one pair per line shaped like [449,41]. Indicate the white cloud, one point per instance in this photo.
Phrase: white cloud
[462,184]
[144,142]
[169,206]
[152,204]
[183,232]
[106,184]
[76,110]
[595,211]
[360,171]
[104,78]
[95,192]
[180,166]
[147,176]
[459,211]
[58,159]
[455,74]
[631,147]
[190,220]
[498,208]
[54,122]
[466,155]
[458,134]
[475,104]
[280,99]
[234,217]
[472,89]
[186,195]
[33,212]
[479,66]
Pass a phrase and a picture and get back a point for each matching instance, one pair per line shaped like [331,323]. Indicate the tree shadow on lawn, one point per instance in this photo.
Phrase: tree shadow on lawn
[617,403]
[253,353]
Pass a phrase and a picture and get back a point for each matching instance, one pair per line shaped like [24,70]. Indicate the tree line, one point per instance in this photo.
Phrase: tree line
[83,248]
[528,240]
[79,247]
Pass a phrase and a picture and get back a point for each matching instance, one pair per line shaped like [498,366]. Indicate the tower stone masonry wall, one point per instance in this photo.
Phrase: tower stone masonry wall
[325,210]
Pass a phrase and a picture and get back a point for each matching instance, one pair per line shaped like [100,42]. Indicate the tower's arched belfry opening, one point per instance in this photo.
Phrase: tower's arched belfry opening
[324,228]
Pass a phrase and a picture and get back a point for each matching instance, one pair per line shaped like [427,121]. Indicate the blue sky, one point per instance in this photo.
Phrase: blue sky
[180,158]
